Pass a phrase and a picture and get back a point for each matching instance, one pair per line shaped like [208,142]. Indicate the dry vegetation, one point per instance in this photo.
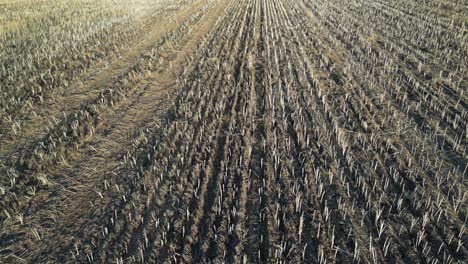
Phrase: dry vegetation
[271,131]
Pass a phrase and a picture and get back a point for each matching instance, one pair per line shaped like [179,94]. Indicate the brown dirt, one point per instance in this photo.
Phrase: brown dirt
[75,178]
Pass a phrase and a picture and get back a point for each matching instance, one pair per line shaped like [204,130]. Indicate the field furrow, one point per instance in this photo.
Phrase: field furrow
[249,131]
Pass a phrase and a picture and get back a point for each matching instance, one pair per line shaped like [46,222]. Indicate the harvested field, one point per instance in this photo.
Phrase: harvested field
[248,131]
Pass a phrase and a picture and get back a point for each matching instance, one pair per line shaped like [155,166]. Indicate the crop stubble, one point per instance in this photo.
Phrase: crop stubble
[275,131]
